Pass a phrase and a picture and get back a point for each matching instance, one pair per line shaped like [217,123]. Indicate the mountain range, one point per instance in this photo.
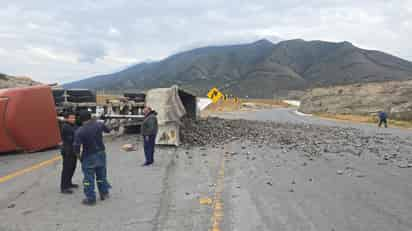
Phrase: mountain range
[260,69]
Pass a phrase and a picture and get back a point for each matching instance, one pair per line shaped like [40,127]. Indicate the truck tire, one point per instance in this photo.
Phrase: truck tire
[81,99]
[81,96]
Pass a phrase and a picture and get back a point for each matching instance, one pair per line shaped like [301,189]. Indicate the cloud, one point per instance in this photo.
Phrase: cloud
[90,51]
[114,32]
[74,39]
[44,53]
[32,26]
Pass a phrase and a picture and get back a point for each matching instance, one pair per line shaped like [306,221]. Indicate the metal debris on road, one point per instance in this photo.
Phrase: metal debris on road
[128,147]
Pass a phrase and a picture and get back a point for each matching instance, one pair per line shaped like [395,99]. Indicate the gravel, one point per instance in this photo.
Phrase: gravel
[313,140]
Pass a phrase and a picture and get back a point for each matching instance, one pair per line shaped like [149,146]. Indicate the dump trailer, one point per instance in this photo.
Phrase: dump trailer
[28,119]
[171,104]
[125,113]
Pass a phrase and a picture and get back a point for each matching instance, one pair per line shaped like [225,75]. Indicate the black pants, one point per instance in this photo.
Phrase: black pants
[383,121]
[149,146]
[69,166]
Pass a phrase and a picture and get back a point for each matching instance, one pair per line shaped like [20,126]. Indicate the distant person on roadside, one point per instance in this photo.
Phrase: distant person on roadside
[69,157]
[383,119]
[93,157]
[149,132]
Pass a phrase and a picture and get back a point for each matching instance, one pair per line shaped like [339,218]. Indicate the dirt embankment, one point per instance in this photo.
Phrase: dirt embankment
[361,99]
[365,119]
[11,81]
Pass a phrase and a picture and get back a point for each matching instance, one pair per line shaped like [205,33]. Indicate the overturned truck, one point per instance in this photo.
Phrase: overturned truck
[125,113]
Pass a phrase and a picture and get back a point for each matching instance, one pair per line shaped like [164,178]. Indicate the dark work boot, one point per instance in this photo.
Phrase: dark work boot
[104,196]
[88,202]
[66,191]
[74,186]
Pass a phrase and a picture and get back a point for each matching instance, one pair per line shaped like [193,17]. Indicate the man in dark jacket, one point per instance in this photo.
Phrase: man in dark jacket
[69,157]
[383,119]
[93,157]
[149,132]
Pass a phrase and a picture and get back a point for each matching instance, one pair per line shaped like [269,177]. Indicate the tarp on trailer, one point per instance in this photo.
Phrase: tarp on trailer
[171,104]
[166,102]
[28,119]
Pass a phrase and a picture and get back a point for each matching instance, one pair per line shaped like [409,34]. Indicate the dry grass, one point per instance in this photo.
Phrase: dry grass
[400,123]
[267,102]
[232,105]
[224,106]
[101,99]
[365,119]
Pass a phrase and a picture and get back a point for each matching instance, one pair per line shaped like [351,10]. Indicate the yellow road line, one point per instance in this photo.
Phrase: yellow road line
[29,169]
[217,216]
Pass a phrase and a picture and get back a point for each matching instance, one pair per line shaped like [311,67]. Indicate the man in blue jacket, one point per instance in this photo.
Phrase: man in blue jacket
[383,119]
[93,157]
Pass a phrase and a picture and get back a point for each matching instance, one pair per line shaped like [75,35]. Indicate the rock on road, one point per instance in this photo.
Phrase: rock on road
[240,185]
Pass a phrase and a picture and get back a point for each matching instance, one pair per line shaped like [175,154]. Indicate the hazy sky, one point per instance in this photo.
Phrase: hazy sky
[61,41]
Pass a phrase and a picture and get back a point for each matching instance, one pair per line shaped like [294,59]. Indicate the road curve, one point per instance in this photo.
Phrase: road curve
[289,115]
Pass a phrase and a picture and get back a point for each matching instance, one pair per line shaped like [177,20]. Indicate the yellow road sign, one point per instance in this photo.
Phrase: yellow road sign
[214,94]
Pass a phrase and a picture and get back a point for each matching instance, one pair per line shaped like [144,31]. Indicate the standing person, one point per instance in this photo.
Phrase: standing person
[67,152]
[93,157]
[149,132]
[383,117]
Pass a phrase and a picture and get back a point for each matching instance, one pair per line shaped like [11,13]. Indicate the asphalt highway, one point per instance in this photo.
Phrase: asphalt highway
[237,186]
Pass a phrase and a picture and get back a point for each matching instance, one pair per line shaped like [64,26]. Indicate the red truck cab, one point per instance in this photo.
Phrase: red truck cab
[28,119]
